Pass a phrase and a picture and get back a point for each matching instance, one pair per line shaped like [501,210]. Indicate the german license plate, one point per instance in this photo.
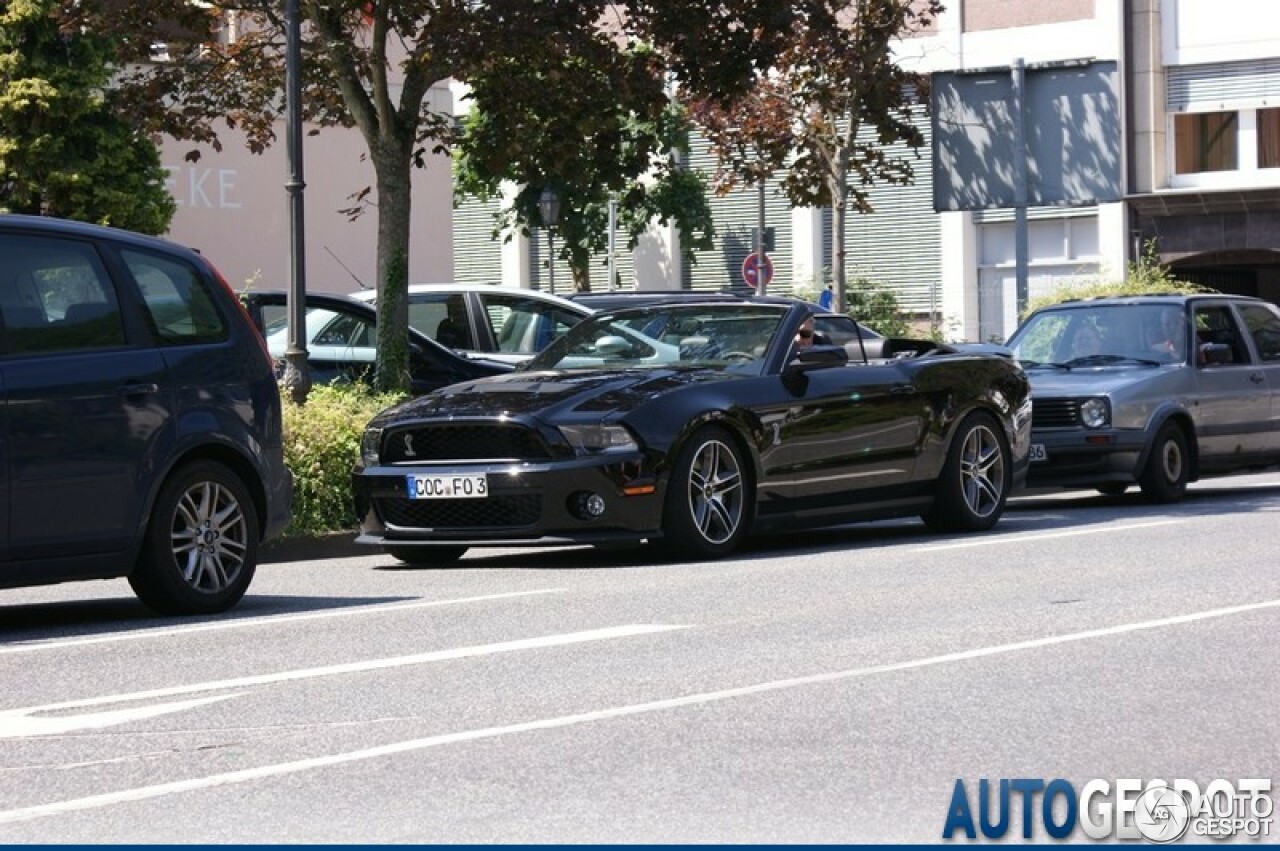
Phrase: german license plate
[1038,453]
[447,487]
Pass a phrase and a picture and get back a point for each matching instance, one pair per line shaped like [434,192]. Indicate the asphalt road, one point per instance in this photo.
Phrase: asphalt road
[830,687]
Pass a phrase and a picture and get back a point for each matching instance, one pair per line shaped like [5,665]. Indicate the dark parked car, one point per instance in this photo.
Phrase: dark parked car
[1156,390]
[341,342]
[142,428]
[694,424]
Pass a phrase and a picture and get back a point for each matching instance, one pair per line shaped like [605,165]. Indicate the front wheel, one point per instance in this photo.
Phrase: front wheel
[201,544]
[708,503]
[975,481]
[1164,477]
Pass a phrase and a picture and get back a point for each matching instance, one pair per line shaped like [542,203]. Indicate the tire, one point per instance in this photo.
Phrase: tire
[1112,488]
[200,548]
[709,498]
[976,478]
[426,556]
[1164,476]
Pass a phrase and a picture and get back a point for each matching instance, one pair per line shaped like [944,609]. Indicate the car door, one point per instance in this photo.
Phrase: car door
[522,326]
[1233,395]
[1262,323]
[82,402]
[849,429]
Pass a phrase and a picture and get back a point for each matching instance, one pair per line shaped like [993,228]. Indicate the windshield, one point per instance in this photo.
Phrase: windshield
[724,335]
[1100,334]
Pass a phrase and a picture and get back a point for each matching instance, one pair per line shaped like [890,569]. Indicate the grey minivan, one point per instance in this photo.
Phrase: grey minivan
[141,432]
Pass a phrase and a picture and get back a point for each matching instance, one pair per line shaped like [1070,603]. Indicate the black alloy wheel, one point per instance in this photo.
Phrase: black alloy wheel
[707,509]
[976,478]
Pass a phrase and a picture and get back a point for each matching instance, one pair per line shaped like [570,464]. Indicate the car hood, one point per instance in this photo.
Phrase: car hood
[1094,381]
[570,394]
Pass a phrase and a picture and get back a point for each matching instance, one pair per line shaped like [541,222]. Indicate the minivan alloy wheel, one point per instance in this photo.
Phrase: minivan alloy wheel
[209,536]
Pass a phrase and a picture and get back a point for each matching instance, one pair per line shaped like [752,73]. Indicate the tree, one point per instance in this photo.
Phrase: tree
[370,64]
[587,129]
[825,111]
[64,150]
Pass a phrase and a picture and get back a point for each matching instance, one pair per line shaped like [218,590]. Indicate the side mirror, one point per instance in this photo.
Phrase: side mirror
[1215,354]
[612,345]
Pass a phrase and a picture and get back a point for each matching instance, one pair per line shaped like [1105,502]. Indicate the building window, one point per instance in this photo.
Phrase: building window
[1269,138]
[1205,141]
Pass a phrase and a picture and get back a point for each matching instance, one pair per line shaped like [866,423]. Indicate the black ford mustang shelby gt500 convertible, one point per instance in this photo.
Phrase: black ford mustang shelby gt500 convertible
[691,425]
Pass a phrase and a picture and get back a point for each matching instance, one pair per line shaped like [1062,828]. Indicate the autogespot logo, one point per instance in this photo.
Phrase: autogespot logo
[1155,810]
[1161,814]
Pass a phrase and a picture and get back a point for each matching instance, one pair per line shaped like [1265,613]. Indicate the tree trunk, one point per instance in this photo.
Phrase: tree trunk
[392,164]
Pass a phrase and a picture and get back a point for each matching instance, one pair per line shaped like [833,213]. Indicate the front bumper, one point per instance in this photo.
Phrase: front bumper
[527,504]
[1084,458]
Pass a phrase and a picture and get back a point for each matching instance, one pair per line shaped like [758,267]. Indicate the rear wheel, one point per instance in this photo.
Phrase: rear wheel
[708,499]
[201,545]
[1164,477]
[426,556]
[975,480]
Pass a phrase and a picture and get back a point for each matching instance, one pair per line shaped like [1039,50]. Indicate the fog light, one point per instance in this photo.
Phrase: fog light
[587,505]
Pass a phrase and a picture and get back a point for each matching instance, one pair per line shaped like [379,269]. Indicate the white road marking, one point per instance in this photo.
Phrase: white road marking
[20,724]
[249,774]
[1020,537]
[359,667]
[241,623]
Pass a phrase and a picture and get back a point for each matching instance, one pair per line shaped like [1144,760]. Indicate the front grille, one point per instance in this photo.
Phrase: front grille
[464,442]
[495,511]
[1055,413]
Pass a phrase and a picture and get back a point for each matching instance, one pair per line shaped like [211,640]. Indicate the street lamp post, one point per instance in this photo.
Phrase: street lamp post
[297,378]
[549,210]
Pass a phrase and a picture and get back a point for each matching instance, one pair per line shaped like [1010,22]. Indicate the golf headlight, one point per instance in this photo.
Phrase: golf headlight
[370,446]
[592,439]
[1095,413]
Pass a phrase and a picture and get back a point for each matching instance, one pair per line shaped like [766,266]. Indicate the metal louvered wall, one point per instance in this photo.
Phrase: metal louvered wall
[736,217]
[477,256]
[899,245]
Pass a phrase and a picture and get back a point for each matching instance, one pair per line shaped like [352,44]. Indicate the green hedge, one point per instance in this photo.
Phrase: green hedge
[321,446]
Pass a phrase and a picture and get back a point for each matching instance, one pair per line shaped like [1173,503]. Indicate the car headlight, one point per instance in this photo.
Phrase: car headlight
[1095,413]
[370,447]
[592,439]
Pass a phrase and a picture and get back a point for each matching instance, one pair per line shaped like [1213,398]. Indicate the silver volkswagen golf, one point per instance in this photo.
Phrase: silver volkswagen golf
[1156,390]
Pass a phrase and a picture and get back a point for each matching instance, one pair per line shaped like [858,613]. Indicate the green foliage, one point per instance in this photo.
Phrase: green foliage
[872,304]
[827,112]
[1144,275]
[64,151]
[876,306]
[322,445]
[589,131]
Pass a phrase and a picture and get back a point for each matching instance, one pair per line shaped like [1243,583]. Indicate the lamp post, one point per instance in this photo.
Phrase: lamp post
[297,378]
[549,210]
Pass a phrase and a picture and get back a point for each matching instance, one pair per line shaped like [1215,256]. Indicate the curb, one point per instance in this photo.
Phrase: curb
[312,548]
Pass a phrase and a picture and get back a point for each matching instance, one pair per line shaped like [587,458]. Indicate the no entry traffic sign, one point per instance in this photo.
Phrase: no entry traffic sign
[755,272]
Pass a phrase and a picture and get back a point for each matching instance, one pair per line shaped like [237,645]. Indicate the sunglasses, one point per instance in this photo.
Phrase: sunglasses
[805,333]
